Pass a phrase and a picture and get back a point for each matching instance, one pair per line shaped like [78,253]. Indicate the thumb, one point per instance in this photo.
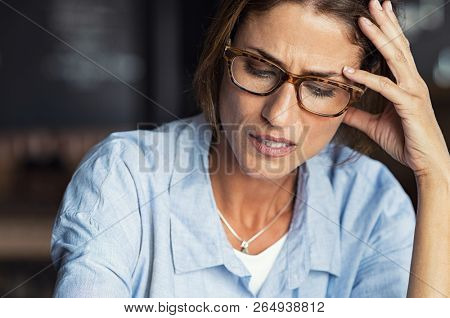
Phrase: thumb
[360,119]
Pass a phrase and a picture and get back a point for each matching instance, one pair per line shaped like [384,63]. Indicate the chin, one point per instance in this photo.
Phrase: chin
[267,168]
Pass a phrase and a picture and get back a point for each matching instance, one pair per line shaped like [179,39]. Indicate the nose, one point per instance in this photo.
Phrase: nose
[281,108]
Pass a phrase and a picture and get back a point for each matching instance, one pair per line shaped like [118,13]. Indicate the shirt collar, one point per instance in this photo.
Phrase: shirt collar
[198,237]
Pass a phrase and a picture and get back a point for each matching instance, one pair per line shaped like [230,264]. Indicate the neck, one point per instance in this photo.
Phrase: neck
[253,202]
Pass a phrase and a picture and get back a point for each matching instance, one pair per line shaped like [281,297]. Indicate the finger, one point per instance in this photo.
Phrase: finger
[380,84]
[396,60]
[361,120]
[402,40]
[383,18]
[387,7]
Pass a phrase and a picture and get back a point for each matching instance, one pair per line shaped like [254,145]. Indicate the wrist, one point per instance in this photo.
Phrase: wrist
[437,177]
[437,171]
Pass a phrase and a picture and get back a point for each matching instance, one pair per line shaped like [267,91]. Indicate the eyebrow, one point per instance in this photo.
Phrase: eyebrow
[272,58]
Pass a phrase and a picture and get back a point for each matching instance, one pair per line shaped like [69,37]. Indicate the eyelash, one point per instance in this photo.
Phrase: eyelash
[256,72]
[321,92]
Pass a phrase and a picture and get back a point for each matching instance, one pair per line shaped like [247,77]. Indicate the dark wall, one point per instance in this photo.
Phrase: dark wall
[66,63]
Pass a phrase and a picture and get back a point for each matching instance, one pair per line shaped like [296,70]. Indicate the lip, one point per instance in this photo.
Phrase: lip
[271,151]
[271,138]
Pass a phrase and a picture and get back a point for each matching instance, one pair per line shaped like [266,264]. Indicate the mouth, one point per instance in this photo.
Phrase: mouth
[271,146]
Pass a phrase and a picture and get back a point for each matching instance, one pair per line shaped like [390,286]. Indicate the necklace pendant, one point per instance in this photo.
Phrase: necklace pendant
[244,246]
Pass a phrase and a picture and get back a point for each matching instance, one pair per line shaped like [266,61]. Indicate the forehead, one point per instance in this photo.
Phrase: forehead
[297,36]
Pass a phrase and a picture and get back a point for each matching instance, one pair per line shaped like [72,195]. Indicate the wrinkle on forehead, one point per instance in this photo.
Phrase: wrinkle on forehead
[321,41]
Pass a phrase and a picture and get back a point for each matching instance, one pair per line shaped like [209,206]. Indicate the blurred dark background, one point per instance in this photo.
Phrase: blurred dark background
[71,72]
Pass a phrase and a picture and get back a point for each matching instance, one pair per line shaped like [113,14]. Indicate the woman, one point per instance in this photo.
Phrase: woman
[257,195]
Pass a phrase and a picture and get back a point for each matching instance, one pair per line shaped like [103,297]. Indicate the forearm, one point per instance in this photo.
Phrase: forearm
[430,266]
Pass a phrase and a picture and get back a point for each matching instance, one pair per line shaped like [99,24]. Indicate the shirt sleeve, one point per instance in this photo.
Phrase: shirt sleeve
[384,269]
[96,235]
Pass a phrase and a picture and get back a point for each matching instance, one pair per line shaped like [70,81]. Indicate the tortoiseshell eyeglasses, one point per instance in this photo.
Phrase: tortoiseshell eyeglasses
[315,94]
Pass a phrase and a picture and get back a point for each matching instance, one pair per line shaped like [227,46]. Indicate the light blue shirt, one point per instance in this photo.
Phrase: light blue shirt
[139,219]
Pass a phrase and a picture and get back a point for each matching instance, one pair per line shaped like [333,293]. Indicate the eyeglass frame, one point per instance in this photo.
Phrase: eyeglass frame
[230,53]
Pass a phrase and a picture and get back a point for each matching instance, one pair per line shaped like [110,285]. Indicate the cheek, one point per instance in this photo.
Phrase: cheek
[233,110]
[317,133]
[237,106]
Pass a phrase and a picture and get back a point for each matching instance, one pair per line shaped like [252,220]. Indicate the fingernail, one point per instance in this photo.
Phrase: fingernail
[378,5]
[367,21]
[389,5]
[349,69]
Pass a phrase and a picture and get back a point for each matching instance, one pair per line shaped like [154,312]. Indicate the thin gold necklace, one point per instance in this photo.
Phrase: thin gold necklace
[245,243]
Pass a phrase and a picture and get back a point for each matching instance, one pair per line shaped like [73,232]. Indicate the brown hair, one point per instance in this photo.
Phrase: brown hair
[230,15]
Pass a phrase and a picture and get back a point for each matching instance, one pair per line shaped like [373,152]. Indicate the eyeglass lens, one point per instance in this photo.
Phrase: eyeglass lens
[260,78]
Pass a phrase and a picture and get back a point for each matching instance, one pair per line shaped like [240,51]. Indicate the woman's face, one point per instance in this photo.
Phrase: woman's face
[303,41]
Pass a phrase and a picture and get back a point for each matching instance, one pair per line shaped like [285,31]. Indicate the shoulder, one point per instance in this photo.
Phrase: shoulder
[349,169]
[114,182]
[144,153]
[125,164]
[363,184]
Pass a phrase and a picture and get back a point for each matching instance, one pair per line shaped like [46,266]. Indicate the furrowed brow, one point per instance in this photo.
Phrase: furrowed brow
[277,61]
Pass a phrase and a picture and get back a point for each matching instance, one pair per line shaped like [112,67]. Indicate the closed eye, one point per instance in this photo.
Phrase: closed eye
[318,91]
[260,71]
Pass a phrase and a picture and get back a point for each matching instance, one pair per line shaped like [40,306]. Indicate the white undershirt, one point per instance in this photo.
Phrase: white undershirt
[259,265]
